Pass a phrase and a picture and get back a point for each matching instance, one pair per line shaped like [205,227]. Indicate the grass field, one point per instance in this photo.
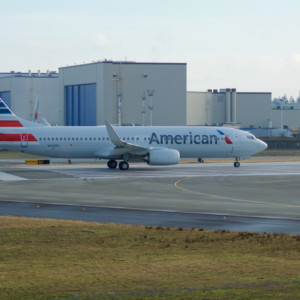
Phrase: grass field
[54,259]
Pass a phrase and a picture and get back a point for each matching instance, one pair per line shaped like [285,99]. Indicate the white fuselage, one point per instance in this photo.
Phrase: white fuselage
[94,142]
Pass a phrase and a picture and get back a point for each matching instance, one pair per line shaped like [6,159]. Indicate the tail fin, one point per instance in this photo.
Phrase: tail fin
[9,119]
[35,117]
[36,110]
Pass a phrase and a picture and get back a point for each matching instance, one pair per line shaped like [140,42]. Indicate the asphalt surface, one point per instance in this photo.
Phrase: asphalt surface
[260,197]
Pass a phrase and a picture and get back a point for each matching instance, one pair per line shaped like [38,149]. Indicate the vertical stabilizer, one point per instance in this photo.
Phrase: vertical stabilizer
[9,119]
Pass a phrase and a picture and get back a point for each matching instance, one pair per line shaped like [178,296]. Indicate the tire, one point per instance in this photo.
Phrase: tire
[112,164]
[123,165]
[236,164]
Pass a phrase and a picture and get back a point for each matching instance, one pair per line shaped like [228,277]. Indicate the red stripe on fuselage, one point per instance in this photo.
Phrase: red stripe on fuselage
[16,137]
[10,123]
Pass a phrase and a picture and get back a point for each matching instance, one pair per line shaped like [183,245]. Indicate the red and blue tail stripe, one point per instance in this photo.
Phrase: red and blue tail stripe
[4,110]
[7,117]
[9,123]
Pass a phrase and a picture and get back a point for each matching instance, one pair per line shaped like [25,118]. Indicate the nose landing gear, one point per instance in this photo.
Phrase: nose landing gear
[236,163]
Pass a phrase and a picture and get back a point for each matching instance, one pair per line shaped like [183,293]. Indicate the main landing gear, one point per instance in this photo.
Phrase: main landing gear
[237,163]
[123,165]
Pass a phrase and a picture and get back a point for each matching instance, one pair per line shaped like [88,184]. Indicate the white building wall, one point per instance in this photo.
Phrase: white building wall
[210,108]
[196,108]
[205,108]
[24,91]
[131,80]
[290,118]
[254,109]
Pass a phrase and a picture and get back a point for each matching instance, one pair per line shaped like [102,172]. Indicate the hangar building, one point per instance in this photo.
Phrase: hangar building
[123,93]
[229,107]
[89,94]
[20,91]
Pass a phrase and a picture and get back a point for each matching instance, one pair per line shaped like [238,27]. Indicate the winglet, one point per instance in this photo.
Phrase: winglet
[113,136]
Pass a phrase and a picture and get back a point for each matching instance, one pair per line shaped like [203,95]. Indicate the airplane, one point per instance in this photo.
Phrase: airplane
[35,117]
[155,145]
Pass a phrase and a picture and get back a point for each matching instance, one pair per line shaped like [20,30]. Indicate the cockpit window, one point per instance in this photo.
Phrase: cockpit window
[250,137]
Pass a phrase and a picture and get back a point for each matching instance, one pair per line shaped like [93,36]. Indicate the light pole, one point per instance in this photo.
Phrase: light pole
[116,77]
[144,107]
[150,94]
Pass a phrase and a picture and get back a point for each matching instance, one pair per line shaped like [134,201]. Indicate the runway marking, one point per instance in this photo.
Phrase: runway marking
[228,198]
[8,177]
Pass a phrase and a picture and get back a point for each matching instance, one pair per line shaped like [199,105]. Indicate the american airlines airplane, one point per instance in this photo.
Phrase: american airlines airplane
[155,145]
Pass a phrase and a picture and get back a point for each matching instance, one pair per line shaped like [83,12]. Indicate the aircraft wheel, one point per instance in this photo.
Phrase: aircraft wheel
[123,165]
[112,164]
[200,160]
[236,164]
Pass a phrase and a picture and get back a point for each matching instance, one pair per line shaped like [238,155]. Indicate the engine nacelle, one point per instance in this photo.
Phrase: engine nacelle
[161,157]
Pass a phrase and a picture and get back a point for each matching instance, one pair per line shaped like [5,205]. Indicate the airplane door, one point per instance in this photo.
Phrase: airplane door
[236,144]
[24,140]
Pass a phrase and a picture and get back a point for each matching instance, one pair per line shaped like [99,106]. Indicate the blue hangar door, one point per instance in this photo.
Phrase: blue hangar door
[5,96]
[81,105]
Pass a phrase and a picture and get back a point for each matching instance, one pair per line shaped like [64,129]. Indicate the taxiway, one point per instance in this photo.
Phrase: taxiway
[254,197]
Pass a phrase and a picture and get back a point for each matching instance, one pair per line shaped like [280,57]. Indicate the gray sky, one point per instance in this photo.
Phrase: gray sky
[251,45]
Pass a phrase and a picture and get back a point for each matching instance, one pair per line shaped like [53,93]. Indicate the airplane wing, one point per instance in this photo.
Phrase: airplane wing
[122,147]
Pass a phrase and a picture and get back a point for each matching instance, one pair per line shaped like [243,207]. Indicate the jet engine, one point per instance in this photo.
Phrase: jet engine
[162,157]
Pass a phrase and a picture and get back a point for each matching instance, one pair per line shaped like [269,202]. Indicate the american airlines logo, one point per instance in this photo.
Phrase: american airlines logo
[190,139]
[183,139]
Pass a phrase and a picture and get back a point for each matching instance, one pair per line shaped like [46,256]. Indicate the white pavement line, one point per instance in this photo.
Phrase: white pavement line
[8,177]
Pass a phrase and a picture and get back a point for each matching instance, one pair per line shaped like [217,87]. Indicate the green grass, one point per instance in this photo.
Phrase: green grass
[42,258]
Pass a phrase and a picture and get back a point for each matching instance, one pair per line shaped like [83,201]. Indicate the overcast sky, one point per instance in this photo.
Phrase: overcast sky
[251,45]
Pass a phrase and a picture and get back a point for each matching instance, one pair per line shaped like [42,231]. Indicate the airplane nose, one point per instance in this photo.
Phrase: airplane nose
[262,145]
